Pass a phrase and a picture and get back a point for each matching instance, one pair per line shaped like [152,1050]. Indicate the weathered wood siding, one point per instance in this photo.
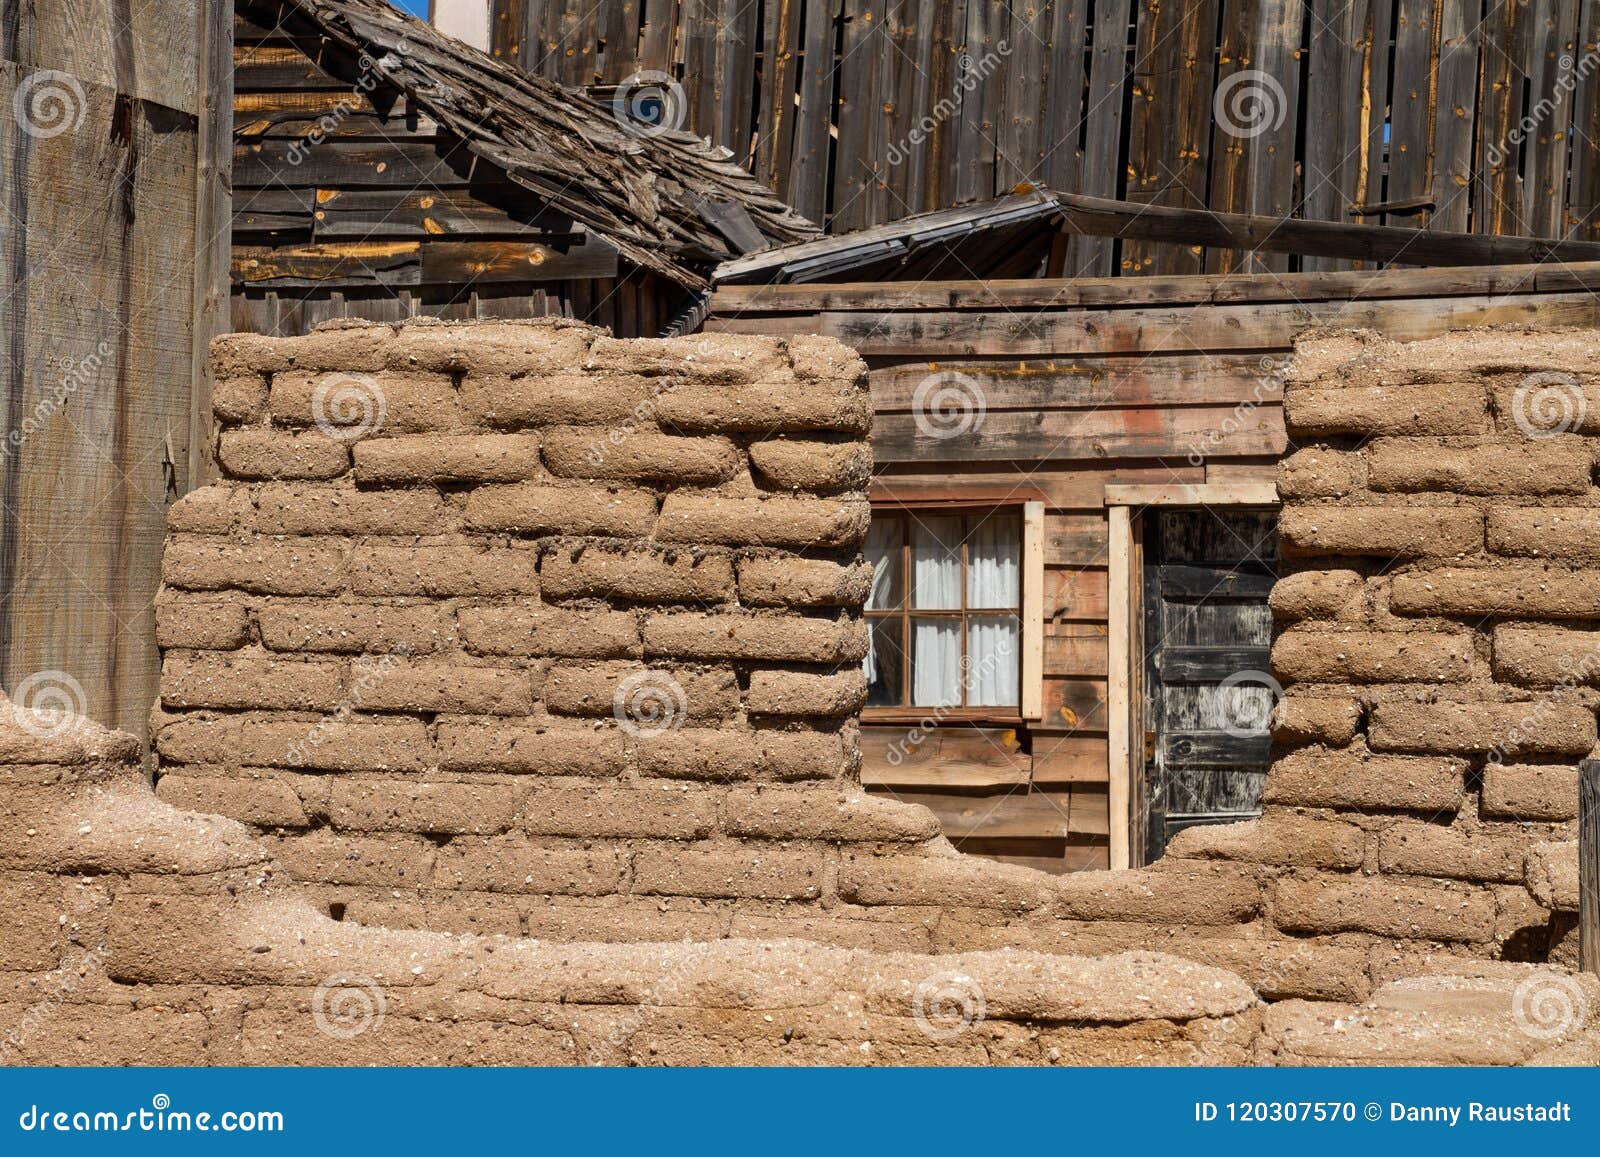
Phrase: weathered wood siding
[1403,112]
[1073,386]
[102,279]
[350,203]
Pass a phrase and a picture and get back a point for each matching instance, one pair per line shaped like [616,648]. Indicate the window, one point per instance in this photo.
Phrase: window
[945,610]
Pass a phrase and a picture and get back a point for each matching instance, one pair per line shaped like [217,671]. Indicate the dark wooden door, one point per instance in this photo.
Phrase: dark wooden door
[1208,688]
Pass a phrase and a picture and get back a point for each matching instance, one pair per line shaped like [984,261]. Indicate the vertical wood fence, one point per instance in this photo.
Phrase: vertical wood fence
[1472,115]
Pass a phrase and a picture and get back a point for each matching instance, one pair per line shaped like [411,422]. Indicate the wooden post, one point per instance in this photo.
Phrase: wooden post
[1119,658]
[1589,865]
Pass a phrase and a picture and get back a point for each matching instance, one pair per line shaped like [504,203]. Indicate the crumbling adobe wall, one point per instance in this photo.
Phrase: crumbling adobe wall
[405,650]
[140,934]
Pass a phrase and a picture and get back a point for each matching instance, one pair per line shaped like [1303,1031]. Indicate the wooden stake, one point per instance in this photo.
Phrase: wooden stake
[1589,865]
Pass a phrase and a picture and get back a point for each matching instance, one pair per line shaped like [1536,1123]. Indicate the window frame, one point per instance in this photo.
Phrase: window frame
[1028,612]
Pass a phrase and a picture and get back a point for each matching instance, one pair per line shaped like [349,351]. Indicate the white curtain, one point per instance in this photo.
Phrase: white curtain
[994,558]
[993,661]
[936,585]
[883,552]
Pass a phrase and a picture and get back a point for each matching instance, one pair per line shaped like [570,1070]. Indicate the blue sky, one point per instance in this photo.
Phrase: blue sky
[418,7]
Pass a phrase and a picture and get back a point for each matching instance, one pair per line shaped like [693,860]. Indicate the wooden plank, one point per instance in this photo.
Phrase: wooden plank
[951,755]
[1076,655]
[1589,865]
[1583,210]
[1075,594]
[350,164]
[913,27]
[1033,594]
[1101,174]
[404,213]
[466,262]
[1018,814]
[1194,228]
[1072,703]
[1055,160]
[1090,383]
[808,189]
[781,40]
[855,163]
[1498,200]
[1063,485]
[1412,108]
[1552,54]
[1455,109]
[1169,142]
[1241,494]
[1119,705]
[213,214]
[1075,539]
[385,263]
[1171,432]
[1164,330]
[1069,758]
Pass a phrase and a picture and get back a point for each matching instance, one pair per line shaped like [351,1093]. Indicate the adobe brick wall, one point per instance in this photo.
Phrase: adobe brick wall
[382,655]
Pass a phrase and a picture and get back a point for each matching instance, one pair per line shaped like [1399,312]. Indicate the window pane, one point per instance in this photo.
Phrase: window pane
[936,562]
[883,551]
[936,662]
[885,665]
[993,660]
[994,555]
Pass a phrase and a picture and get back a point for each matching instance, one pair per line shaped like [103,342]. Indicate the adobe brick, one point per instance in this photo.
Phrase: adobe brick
[259,800]
[1560,532]
[643,455]
[1383,531]
[444,571]
[796,693]
[1544,726]
[783,522]
[678,694]
[326,745]
[291,566]
[299,509]
[530,508]
[1312,656]
[1418,849]
[34,933]
[239,399]
[349,348]
[826,359]
[793,464]
[1434,408]
[448,458]
[646,576]
[351,628]
[1278,839]
[1317,472]
[533,346]
[559,399]
[558,747]
[762,638]
[797,582]
[1159,897]
[733,871]
[234,680]
[509,863]
[1530,792]
[391,805]
[826,812]
[433,685]
[1523,592]
[720,359]
[1318,594]
[529,629]
[1332,719]
[209,510]
[201,622]
[942,881]
[1553,466]
[702,753]
[1545,657]
[354,860]
[646,810]
[261,453]
[767,408]
[1385,907]
[1352,778]
[353,406]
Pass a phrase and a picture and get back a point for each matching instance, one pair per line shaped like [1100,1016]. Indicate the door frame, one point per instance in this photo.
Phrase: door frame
[1124,637]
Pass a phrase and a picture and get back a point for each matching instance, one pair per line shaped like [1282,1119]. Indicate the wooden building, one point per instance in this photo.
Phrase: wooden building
[113,174]
[385,170]
[1076,484]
